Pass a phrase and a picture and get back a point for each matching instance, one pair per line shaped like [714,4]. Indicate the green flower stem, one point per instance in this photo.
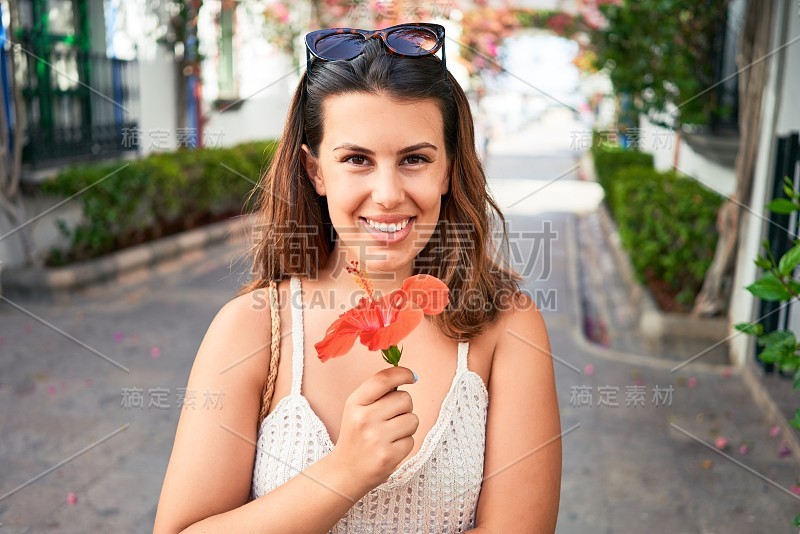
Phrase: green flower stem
[392,355]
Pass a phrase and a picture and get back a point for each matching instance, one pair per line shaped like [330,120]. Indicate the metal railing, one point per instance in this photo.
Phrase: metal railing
[78,105]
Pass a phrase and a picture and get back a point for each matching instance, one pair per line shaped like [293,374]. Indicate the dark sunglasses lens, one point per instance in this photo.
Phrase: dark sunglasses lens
[412,41]
[340,46]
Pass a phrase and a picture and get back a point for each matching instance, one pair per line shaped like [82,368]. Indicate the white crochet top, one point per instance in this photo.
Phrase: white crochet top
[436,490]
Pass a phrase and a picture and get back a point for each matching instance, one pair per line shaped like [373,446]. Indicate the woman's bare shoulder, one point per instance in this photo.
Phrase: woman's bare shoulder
[240,336]
[518,307]
[513,311]
[485,346]
[251,309]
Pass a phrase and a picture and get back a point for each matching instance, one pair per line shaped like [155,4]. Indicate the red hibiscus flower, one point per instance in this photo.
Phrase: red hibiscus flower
[382,323]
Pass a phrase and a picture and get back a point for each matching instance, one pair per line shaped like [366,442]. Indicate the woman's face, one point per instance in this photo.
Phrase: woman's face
[380,161]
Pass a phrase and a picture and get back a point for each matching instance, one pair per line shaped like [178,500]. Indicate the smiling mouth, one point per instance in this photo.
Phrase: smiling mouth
[392,233]
[387,228]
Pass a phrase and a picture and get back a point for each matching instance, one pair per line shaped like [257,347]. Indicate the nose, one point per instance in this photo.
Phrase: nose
[388,188]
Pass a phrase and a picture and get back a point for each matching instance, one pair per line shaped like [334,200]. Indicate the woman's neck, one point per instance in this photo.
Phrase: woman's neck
[383,282]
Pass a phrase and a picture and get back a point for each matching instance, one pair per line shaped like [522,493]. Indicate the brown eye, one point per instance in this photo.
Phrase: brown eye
[419,159]
[355,156]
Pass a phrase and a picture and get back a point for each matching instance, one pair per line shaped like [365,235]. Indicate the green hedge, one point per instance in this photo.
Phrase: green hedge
[125,203]
[609,160]
[666,221]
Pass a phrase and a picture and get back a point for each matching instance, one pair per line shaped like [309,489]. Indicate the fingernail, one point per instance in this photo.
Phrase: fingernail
[415,376]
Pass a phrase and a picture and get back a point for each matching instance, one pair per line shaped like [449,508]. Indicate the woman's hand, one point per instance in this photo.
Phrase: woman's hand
[377,427]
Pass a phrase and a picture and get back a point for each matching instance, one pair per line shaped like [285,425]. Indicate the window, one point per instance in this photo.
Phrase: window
[226,66]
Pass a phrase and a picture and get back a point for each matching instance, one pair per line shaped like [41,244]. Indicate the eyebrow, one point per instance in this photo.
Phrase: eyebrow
[412,148]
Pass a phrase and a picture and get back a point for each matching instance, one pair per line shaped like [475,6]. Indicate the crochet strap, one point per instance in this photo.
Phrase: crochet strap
[275,352]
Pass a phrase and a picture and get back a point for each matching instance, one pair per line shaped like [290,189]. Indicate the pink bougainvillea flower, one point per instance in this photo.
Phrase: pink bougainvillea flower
[381,323]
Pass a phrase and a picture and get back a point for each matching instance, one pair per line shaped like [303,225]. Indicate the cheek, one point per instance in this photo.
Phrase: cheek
[427,198]
[342,195]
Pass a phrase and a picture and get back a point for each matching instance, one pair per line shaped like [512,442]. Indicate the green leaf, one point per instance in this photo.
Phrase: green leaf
[778,336]
[796,380]
[770,355]
[779,347]
[782,205]
[789,366]
[762,262]
[769,288]
[751,329]
[789,191]
[789,261]
[795,421]
[795,286]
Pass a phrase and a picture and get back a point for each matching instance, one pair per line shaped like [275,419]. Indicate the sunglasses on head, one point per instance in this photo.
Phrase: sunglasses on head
[408,40]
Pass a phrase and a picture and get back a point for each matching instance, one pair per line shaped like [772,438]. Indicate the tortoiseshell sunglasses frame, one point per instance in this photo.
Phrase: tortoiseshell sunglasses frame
[312,38]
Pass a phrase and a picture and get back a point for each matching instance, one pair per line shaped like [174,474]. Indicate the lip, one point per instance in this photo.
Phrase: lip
[385,237]
[388,219]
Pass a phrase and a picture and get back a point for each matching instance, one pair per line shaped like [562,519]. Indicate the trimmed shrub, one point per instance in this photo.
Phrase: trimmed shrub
[667,223]
[608,160]
[129,203]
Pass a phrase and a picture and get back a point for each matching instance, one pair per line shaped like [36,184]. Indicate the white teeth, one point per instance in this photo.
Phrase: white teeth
[383,227]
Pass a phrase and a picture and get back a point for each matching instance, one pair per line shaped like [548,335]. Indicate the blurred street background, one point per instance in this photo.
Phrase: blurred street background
[645,155]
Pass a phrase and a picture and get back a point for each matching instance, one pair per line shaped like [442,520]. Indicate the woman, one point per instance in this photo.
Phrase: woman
[377,164]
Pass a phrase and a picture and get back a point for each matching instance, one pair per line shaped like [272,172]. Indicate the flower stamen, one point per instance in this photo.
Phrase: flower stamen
[362,279]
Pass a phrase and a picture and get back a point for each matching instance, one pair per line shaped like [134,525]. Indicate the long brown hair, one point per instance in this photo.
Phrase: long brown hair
[295,235]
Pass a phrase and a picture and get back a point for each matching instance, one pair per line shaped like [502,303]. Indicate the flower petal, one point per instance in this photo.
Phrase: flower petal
[338,340]
[401,323]
[427,292]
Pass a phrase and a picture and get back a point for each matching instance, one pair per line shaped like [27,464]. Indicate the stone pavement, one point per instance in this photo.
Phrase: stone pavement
[644,465]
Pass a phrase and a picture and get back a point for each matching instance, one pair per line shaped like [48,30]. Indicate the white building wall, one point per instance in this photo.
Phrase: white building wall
[266,81]
[780,113]
[663,143]
[658,141]
[716,177]
[789,116]
[157,110]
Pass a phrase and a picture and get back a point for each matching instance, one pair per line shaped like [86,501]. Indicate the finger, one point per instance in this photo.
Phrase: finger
[402,447]
[381,383]
[401,426]
[393,404]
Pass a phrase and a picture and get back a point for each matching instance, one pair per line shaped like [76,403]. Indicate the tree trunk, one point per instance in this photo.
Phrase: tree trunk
[11,161]
[754,45]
